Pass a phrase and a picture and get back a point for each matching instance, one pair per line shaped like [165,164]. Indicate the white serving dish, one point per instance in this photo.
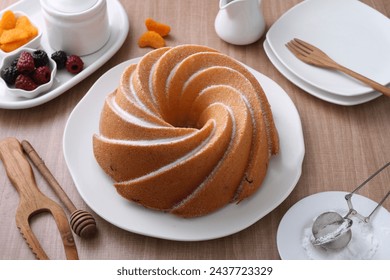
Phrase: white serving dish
[97,189]
[119,27]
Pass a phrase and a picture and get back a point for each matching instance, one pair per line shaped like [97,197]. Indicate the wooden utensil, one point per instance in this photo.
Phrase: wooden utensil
[81,221]
[32,201]
[314,56]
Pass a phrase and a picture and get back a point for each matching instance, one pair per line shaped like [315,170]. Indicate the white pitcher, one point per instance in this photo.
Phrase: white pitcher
[240,22]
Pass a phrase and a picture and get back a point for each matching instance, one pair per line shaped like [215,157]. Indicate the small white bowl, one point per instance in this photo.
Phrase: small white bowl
[33,43]
[11,90]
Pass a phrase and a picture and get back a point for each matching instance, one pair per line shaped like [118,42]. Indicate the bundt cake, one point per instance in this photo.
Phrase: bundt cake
[187,131]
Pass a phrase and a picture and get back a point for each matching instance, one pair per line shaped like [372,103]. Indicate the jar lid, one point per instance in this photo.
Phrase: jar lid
[71,6]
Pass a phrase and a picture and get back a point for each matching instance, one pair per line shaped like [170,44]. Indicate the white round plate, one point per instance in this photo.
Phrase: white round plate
[119,26]
[97,189]
[293,236]
[319,93]
[349,31]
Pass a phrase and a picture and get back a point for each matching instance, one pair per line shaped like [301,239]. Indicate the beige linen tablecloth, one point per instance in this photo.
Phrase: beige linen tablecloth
[344,145]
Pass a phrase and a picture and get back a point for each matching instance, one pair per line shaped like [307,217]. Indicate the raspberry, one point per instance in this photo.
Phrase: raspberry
[40,58]
[25,82]
[41,75]
[60,58]
[74,64]
[25,63]
[9,74]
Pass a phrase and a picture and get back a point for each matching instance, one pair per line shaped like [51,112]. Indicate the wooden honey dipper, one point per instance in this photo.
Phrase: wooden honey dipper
[82,222]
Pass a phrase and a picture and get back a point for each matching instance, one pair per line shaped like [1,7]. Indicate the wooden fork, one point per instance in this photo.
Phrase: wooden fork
[314,56]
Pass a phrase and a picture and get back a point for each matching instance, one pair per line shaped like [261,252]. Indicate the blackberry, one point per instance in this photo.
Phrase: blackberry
[9,74]
[15,62]
[74,64]
[25,63]
[40,58]
[60,58]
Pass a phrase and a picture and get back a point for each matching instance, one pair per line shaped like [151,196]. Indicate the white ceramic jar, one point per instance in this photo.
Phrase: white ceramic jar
[79,27]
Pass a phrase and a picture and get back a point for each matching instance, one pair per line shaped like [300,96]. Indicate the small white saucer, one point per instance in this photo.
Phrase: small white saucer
[293,240]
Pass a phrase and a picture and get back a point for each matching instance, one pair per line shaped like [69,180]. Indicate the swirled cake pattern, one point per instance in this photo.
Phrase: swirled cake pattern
[187,131]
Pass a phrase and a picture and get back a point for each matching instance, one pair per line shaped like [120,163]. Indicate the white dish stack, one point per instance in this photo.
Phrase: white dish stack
[350,32]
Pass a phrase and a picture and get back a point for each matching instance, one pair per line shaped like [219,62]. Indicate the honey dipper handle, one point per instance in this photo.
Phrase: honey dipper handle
[41,166]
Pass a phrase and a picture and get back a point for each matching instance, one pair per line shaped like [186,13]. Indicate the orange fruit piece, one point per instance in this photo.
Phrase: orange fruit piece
[15,32]
[160,28]
[9,47]
[13,35]
[151,39]
[8,20]
[24,23]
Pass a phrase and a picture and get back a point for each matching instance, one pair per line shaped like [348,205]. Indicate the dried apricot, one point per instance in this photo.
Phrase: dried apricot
[8,20]
[160,28]
[13,35]
[151,39]
[15,31]
[24,23]
[9,47]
